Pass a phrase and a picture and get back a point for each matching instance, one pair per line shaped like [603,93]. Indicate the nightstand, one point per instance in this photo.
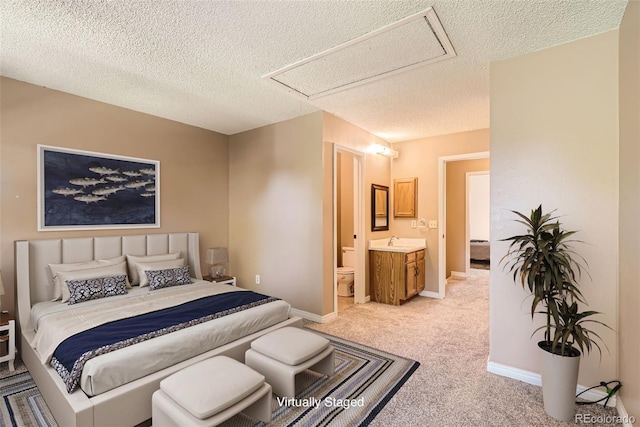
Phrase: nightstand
[225,280]
[8,335]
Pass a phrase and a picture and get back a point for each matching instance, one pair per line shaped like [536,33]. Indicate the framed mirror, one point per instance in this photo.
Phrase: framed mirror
[379,207]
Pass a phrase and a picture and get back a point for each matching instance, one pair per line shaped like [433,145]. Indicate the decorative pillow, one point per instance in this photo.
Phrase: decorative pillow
[91,273]
[170,277]
[54,269]
[133,260]
[100,287]
[161,265]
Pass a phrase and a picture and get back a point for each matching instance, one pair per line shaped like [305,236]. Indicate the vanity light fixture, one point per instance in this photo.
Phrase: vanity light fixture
[385,151]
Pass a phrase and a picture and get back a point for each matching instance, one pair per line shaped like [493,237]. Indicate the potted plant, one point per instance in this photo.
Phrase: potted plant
[543,261]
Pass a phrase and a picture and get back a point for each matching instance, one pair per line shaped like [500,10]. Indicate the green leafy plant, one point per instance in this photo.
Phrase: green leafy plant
[544,262]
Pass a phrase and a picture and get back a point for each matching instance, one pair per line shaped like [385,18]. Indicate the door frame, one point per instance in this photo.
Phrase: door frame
[358,224]
[442,214]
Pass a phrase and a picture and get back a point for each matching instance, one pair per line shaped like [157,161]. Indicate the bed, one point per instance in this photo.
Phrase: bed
[479,250]
[124,399]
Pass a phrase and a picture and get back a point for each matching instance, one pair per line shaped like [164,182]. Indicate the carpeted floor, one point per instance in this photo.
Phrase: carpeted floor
[450,339]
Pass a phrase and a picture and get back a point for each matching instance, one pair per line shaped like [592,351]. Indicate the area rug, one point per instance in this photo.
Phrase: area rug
[364,381]
[22,404]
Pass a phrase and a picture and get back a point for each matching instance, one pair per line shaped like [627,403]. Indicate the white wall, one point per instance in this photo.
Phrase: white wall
[554,141]
[479,198]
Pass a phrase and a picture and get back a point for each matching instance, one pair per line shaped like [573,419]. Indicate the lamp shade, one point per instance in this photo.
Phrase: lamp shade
[217,256]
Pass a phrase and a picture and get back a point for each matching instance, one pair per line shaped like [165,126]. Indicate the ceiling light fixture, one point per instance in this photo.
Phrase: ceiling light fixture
[385,151]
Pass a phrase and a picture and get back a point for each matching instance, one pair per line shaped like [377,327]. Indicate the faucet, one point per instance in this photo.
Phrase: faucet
[390,243]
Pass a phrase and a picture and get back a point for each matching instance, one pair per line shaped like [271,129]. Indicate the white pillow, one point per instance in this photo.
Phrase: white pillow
[58,284]
[90,273]
[132,260]
[161,265]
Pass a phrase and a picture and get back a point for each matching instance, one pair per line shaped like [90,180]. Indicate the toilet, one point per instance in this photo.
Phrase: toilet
[345,273]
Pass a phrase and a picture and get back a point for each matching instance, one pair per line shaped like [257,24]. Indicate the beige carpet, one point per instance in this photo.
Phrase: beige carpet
[450,338]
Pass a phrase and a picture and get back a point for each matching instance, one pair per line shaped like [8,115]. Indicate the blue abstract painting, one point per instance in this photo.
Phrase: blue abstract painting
[85,190]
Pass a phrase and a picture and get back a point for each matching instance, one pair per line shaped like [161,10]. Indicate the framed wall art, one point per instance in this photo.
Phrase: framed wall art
[83,190]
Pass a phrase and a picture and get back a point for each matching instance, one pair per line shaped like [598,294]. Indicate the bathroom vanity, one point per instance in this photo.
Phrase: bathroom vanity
[397,271]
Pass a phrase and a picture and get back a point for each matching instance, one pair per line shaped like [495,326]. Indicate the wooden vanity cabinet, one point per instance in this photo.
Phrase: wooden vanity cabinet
[395,276]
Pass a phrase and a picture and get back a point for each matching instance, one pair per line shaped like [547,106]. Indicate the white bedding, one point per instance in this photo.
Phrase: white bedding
[119,367]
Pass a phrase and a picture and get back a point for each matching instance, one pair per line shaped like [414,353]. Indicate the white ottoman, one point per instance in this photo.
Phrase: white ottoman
[210,392]
[282,354]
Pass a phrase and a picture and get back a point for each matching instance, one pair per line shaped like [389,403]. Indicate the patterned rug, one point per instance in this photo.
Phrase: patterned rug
[365,380]
[22,404]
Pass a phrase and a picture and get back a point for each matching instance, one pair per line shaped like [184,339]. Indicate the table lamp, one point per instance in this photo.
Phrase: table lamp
[217,257]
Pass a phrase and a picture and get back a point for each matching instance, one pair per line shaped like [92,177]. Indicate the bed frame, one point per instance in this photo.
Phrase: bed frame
[129,404]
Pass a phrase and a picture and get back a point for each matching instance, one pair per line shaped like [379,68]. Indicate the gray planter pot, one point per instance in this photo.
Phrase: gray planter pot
[559,383]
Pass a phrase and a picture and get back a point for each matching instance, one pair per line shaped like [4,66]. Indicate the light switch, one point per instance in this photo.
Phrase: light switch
[433,223]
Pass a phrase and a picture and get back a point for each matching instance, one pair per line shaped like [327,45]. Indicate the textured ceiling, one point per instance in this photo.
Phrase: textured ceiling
[200,62]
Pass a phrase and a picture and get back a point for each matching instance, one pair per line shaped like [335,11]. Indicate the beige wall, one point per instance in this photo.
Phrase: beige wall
[193,164]
[275,210]
[419,158]
[629,269]
[554,140]
[456,201]
[377,170]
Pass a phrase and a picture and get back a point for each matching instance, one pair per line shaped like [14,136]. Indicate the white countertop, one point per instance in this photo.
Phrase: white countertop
[398,245]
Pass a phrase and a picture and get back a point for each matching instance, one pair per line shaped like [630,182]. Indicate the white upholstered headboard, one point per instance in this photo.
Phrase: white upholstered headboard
[33,257]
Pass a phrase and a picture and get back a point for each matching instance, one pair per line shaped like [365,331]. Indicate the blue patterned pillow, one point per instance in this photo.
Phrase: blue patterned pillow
[100,287]
[170,277]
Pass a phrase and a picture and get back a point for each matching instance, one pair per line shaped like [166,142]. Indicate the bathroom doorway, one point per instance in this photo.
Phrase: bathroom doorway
[348,229]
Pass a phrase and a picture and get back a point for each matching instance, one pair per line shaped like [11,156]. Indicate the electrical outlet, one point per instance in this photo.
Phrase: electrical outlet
[433,223]
[413,223]
[257,279]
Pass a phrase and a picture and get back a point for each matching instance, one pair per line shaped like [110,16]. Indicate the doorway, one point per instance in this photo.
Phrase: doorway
[478,221]
[348,225]
[460,232]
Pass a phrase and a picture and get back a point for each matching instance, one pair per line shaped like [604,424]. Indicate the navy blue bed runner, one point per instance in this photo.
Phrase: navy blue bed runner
[71,355]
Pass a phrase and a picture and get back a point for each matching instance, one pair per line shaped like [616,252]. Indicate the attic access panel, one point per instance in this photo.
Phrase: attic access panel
[412,42]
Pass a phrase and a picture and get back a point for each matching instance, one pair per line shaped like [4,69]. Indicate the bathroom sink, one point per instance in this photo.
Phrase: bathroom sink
[405,249]
[398,245]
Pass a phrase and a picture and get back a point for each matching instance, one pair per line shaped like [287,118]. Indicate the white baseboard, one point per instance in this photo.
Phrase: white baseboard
[514,373]
[458,274]
[316,317]
[430,294]
[313,317]
[306,315]
[535,379]
[328,317]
